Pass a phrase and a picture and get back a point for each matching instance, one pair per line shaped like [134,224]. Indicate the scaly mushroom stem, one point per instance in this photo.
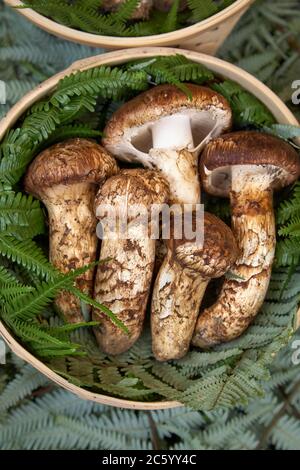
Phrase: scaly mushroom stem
[69,210]
[181,283]
[247,166]
[123,283]
[65,177]
[253,225]
[171,340]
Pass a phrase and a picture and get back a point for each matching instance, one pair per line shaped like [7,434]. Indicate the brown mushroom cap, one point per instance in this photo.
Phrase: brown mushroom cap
[69,162]
[215,257]
[139,186]
[128,133]
[280,160]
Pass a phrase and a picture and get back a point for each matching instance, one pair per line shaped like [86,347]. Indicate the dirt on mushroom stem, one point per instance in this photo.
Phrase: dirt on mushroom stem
[123,283]
[69,211]
[65,178]
[247,166]
[181,284]
[253,225]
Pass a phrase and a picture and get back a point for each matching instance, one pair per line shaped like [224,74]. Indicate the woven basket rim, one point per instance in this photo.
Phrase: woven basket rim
[123,42]
[250,83]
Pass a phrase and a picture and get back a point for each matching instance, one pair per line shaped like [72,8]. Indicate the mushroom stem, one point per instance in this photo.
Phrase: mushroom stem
[123,283]
[70,210]
[253,225]
[173,132]
[174,160]
[173,279]
[181,283]
[165,129]
[65,177]
[180,169]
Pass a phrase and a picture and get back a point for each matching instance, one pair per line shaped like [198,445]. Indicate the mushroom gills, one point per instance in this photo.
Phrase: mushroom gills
[233,177]
[165,128]
[188,129]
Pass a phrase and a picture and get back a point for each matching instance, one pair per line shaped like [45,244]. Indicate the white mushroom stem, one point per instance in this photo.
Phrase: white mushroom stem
[71,214]
[171,140]
[173,132]
[176,301]
[253,225]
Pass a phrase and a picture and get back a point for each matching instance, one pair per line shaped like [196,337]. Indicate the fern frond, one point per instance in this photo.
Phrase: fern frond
[29,307]
[101,80]
[70,131]
[171,21]
[247,109]
[20,210]
[125,11]
[292,229]
[86,299]
[27,254]
[202,9]
[21,386]
[8,292]
[290,209]
[7,277]
[288,252]
[286,434]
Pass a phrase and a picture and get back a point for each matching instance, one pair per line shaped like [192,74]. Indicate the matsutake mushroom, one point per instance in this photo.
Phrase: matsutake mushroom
[164,129]
[123,282]
[165,5]
[65,178]
[142,10]
[246,166]
[181,284]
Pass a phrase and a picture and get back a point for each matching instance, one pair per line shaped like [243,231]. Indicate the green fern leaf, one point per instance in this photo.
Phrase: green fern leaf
[27,254]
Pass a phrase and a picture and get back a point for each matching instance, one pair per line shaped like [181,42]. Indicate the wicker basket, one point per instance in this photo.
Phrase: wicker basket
[280,111]
[206,36]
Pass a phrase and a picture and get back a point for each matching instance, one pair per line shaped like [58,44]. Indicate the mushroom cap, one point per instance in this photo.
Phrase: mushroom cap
[128,133]
[136,186]
[69,162]
[280,160]
[215,257]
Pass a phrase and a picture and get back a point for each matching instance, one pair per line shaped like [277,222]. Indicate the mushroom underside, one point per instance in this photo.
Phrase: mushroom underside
[137,141]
